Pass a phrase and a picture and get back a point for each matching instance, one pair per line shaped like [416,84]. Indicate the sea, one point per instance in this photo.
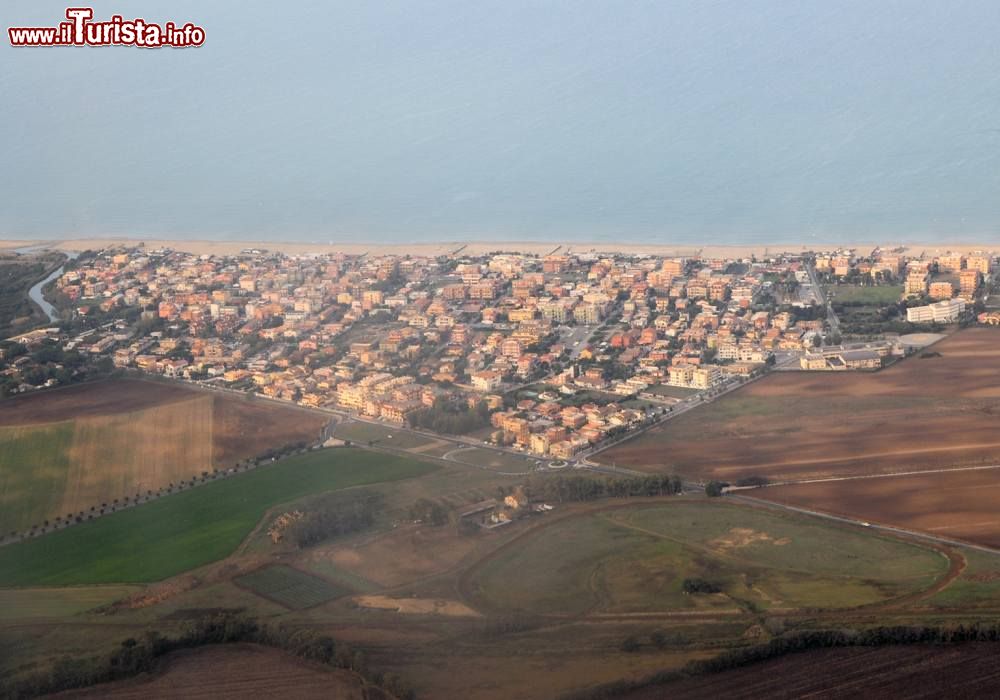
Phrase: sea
[667,121]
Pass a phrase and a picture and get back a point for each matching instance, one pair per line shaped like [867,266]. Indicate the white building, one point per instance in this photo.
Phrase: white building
[946,311]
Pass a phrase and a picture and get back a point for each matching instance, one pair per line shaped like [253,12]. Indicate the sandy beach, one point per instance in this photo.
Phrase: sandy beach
[209,247]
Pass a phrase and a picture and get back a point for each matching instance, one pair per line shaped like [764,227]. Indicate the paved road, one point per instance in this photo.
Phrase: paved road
[831,317]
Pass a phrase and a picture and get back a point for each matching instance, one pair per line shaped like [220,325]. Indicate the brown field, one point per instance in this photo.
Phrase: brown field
[400,556]
[235,672]
[114,455]
[97,398]
[964,671]
[65,450]
[241,428]
[919,414]
[958,505]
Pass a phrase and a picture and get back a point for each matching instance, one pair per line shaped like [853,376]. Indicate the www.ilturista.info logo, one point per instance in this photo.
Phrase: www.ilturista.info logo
[81,31]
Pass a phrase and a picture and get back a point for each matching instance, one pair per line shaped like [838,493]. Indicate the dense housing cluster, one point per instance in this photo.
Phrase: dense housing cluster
[549,354]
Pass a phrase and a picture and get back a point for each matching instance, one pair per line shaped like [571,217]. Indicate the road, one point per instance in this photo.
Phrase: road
[831,316]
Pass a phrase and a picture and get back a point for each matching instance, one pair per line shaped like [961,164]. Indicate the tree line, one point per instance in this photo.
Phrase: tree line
[584,488]
[135,656]
[443,417]
[794,642]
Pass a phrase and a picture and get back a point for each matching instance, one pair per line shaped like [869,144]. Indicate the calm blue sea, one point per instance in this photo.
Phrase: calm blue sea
[736,121]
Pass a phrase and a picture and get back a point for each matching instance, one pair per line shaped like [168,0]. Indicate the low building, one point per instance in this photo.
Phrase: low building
[947,311]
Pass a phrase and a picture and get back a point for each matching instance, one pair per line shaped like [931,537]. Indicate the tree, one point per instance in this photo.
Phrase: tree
[631,644]
[429,511]
[659,639]
[713,489]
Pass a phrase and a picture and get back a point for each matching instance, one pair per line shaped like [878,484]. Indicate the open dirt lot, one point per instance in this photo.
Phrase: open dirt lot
[957,504]
[964,671]
[233,672]
[922,413]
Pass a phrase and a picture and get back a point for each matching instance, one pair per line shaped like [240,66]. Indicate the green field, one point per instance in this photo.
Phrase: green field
[636,560]
[876,296]
[492,459]
[977,587]
[365,433]
[22,604]
[34,462]
[672,392]
[180,532]
[290,587]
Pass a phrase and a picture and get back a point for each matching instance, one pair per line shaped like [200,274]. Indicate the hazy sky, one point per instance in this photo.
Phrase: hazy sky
[686,121]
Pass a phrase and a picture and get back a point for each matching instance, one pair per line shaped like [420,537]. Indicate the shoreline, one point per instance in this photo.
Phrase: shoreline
[729,251]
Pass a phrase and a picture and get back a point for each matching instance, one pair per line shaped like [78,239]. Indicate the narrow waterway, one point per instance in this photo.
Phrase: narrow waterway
[35,293]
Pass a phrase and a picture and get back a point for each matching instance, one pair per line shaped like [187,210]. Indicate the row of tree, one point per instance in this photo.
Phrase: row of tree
[586,488]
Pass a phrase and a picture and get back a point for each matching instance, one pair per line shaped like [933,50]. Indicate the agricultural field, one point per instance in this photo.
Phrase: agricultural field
[235,672]
[532,610]
[636,560]
[952,504]
[188,529]
[294,589]
[918,671]
[67,451]
[922,413]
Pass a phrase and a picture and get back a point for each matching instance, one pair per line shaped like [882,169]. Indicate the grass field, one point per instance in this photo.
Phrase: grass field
[20,604]
[875,296]
[180,532]
[380,435]
[635,560]
[66,450]
[34,467]
[491,459]
[918,414]
[672,392]
[290,587]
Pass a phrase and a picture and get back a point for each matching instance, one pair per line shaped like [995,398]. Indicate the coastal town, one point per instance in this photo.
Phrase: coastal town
[554,355]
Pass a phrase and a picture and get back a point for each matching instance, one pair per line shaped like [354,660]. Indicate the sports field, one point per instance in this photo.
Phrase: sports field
[923,413]
[66,451]
[188,529]
[636,560]
[876,296]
